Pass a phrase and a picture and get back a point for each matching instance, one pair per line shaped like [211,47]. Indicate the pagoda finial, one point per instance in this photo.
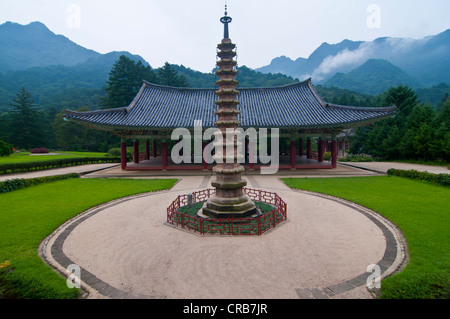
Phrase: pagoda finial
[226,20]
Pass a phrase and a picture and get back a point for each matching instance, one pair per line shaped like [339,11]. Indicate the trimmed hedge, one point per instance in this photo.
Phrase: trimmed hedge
[15,184]
[357,158]
[54,163]
[439,179]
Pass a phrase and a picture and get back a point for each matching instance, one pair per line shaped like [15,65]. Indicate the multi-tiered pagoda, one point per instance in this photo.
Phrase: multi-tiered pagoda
[229,200]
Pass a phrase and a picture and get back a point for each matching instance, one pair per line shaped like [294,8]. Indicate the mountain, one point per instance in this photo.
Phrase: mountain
[304,68]
[373,77]
[49,65]
[45,82]
[282,65]
[427,59]
[34,45]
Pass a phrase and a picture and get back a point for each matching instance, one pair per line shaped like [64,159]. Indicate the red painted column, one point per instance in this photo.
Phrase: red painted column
[123,154]
[320,149]
[154,147]
[308,148]
[293,153]
[147,150]
[334,153]
[300,146]
[164,154]
[136,151]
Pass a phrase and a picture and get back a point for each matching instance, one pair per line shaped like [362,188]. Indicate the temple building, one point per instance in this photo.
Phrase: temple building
[308,125]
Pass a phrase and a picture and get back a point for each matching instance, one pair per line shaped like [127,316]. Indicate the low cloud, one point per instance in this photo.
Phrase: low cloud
[344,61]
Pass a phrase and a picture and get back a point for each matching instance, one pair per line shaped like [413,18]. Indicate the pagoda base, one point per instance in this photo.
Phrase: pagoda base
[242,208]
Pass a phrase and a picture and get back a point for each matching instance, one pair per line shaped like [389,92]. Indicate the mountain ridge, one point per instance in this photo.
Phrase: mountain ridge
[373,77]
[427,59]
[48,48]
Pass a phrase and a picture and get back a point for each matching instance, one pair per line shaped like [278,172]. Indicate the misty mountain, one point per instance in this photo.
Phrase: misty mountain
[282,65]
[44,82]
[373,77]
[304,68]
[47,64]
[427,59]
[58,72]
[34,45]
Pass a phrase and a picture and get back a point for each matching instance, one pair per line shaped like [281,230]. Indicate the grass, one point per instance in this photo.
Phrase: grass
[420,210]
[27,157]
[192,211]
[29,215]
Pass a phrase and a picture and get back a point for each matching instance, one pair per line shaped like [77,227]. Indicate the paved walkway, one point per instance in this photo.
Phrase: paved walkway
[125,250]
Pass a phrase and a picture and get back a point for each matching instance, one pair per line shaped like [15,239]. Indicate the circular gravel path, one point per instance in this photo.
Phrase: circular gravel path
[125,250]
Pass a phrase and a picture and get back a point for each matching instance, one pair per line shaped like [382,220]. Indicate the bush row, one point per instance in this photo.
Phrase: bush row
[54,163]
[440,179]
[357,158]
[15,184]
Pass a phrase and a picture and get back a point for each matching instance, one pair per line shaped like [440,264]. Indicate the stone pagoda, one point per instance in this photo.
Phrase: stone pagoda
[230,200]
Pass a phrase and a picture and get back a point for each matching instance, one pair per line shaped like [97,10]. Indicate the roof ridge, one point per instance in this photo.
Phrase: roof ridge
[177,88]
[99,111]
[362,108]
[355,108]
[300,83]
[214,88]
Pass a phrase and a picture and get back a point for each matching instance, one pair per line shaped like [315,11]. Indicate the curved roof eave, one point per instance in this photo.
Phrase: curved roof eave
[301,100]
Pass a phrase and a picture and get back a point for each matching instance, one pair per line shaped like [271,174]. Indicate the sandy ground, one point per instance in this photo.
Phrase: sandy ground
[129,246]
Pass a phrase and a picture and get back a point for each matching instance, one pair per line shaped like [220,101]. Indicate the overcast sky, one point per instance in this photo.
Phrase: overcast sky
[187,32]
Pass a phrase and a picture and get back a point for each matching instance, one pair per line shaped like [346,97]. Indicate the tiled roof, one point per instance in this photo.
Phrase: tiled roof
[292,106]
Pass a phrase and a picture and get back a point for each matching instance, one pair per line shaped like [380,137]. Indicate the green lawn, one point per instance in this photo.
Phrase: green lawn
[29,215]
[419,209]
[27,157]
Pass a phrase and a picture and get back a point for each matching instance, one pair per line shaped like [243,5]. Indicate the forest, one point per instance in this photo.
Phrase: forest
[419,131]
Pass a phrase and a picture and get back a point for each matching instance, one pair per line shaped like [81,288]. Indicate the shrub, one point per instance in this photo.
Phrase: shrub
[5,149]
[55,163]
[357,158]
[40,150]
[15,184]
[326,156]
[439,179]
[114,151]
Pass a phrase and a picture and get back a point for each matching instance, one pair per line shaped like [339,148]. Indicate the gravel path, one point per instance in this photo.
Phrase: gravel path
[125,250]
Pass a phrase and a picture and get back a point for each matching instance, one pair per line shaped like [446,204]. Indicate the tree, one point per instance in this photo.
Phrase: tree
[25,122]
[125,80]
[71,136]
[5,149]
[404,98]
[167,75]
[440,145]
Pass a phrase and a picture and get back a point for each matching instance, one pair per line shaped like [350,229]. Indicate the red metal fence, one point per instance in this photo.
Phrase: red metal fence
[231,226]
